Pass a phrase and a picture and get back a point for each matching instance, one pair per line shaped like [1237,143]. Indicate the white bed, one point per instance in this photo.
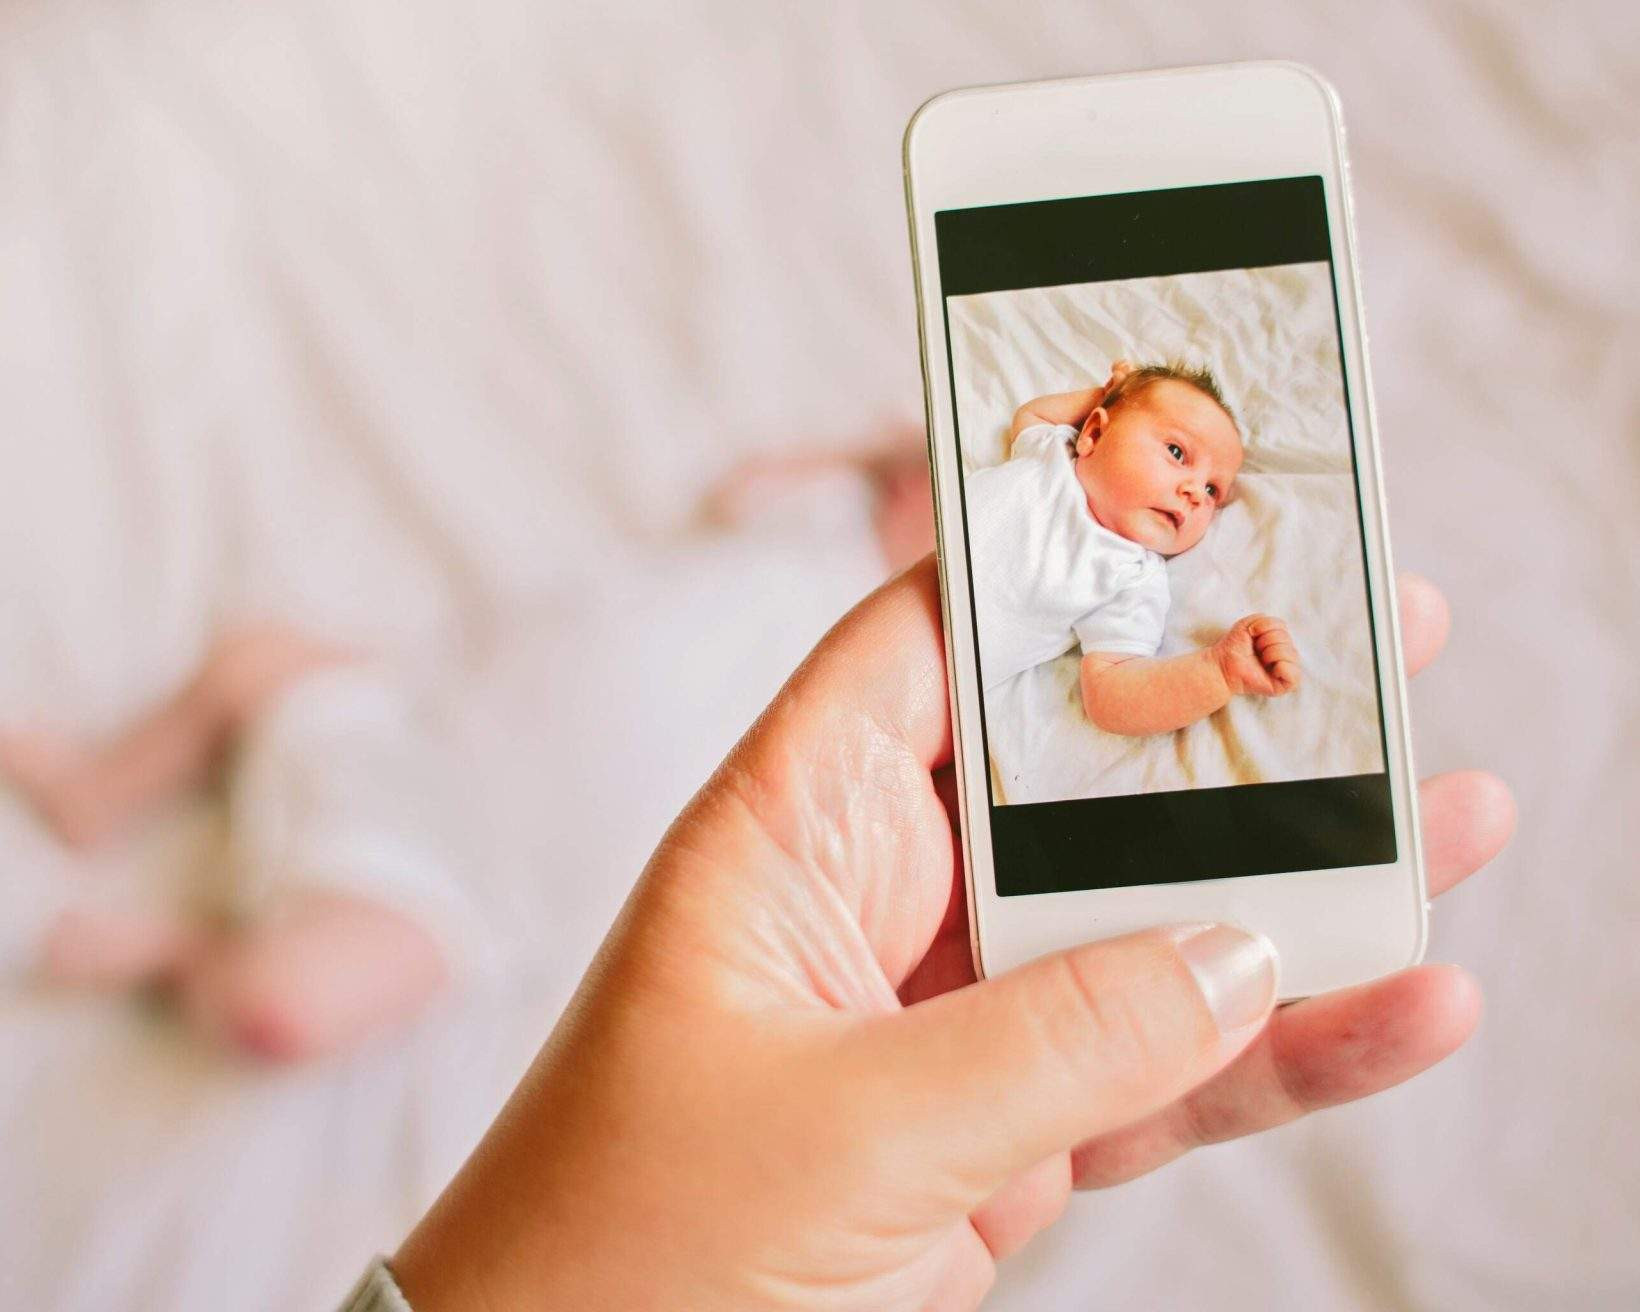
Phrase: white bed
[1288,543]
[417,317]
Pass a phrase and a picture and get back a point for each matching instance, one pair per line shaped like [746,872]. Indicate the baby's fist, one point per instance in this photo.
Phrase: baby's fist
[1257,656]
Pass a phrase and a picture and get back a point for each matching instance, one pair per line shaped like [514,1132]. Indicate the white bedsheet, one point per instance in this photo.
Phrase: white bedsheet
[413,317]
[1287,544]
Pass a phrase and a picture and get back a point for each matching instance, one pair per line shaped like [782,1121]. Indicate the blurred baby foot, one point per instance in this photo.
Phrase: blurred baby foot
[50,772]
[114,949]
[321,978]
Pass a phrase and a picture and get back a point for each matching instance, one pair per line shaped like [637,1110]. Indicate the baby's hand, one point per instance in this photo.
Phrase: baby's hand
[1257,656]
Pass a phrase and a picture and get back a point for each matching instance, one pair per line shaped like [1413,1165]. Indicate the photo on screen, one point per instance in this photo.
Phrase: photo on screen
[1164,531]
[1284,544]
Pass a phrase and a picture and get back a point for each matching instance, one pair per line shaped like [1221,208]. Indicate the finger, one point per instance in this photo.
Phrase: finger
[1275,651]
[966,1272]
[1425,620]
[1416,1017]
[949,962]
[1318,1053]
[1118,371]
[1275,634]
[996,1077]
[1283,666]
[1467,817]
[1028,1203]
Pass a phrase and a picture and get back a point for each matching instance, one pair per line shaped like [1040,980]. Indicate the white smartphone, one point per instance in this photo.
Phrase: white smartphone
[1129,755]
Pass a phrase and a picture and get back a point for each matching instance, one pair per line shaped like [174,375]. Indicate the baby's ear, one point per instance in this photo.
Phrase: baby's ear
[1092,427]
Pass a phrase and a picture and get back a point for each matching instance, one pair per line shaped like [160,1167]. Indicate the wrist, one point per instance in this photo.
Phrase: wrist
[1224,669]
[1086,403]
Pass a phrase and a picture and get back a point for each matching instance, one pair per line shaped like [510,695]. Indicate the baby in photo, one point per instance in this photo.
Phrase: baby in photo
[1070,534]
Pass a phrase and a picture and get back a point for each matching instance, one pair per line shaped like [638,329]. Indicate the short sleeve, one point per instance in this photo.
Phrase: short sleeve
[1131,622]
[1042,440]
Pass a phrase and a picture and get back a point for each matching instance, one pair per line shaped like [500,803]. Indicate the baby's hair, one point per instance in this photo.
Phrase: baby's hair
[1198,376]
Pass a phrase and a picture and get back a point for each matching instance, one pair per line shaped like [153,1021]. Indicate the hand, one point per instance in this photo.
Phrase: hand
[1119,370]
[780,1086]
[1257,656]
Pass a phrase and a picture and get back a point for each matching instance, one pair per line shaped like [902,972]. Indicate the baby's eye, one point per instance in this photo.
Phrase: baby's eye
[1175,450]
[1213,491]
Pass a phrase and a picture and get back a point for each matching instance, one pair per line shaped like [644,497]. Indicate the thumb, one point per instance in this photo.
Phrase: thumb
[999,1075]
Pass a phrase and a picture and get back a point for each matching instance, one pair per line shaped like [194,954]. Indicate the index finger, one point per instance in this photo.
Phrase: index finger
[1425,620]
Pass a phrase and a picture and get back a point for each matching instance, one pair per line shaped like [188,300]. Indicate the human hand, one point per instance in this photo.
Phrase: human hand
[1257,656]
[1119,370]
[780,1085]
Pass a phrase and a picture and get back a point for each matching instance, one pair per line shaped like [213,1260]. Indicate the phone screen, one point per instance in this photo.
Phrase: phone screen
[1168,575]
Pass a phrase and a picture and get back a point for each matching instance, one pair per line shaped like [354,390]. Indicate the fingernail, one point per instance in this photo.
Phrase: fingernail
[1235,970]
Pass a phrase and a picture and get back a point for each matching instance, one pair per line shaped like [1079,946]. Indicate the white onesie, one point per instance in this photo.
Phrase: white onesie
[1046,574]
[342,785]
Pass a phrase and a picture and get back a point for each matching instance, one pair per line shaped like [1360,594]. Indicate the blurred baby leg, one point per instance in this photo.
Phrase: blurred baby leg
[87,794]
[347,829]
[329,971]
[115,949]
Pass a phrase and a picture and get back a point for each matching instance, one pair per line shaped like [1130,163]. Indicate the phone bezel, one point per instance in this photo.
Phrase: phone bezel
[1136,132]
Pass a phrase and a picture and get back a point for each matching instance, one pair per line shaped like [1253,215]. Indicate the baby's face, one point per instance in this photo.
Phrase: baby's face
[1157,469]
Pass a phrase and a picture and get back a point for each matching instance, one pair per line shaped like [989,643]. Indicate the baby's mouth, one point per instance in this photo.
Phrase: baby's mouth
[1173,517]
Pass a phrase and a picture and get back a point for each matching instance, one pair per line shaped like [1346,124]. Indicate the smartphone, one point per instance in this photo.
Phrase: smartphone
[1173,648]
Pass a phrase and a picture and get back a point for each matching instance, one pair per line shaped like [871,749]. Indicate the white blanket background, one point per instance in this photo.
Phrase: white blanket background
[1287,544]
[427,320]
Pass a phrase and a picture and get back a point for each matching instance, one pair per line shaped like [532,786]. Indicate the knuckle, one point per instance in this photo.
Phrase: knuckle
[1124,1155]
[1115,1022]
[1195,1123]
[1094,1026]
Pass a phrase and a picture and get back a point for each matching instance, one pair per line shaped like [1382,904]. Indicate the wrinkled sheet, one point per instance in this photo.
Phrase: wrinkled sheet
[426,322]
[1287,544]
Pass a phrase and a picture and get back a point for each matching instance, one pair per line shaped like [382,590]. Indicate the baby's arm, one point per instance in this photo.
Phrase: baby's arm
[1071,408]
[1136,695]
